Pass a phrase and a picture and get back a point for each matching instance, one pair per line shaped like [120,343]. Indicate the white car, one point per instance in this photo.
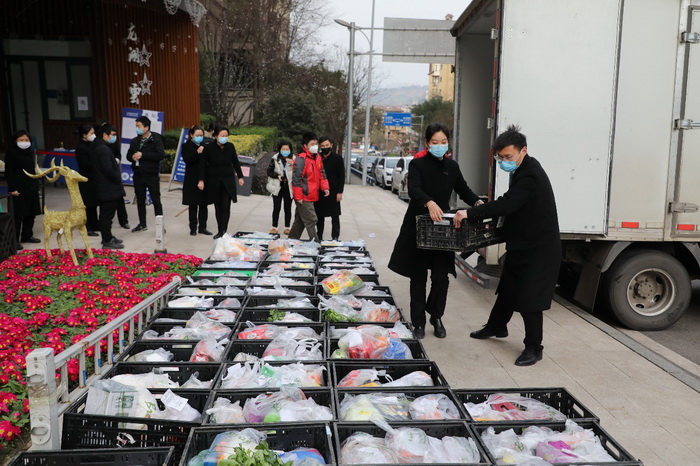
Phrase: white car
[383,171]
[398,175]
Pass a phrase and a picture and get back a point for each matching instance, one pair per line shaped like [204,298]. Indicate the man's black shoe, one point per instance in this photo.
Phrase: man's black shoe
[219,235]
[419,331]
[125,226]
[486,332]
[112,244]
[440,331]
[93,233]
[204,231]
[193,232]
[529,356]
[31,240]
[115,240]
[138,228]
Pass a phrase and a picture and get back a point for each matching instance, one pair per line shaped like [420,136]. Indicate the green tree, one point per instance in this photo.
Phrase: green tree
[292,111]
[435,110]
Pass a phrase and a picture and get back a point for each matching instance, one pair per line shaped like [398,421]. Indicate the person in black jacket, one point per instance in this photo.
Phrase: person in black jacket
[88,190]
[433,178]
[329,206]
[217,177]
[533,243]
[23,189]
[122,214]
[191,195]
[145,153]
[108,181]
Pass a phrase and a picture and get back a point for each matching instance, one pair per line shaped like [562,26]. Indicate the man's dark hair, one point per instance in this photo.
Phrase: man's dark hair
[326,138]
[106,128]
[510,137]
[307,137]
[145,121]
[436,128]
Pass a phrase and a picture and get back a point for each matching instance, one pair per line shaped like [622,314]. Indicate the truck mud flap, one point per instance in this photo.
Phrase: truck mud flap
[480,278]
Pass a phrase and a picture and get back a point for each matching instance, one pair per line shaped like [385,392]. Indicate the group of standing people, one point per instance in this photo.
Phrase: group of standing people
[531,231]
[314,180]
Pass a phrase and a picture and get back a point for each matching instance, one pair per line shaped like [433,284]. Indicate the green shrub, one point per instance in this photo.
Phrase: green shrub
[206,120]
[247,144]
[166,165]
[171,137]
[269,135]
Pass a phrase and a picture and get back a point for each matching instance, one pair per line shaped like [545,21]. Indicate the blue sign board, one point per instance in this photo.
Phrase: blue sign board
[179,164]
[397,119]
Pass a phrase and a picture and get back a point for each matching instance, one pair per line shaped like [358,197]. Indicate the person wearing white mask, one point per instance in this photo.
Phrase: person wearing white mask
[191,195]
[217,177]
[308,180]
[433,179]
[88,190]
[23,189]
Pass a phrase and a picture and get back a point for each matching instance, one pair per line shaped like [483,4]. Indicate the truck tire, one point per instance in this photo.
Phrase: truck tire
[647,289]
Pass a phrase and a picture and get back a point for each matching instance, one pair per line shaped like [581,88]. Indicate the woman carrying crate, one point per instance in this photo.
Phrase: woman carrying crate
[433,178]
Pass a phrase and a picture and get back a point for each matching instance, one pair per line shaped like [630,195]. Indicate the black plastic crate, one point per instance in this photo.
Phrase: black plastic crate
[161,329]
[322,396]
[415,346]
[154,456]
[318,327]
[270,302]
[182,350]
[325,375]
[410,392]
[453,429]
[94,431]
[385,296]
[178,372]
[258,347]
[262,315]
[471,235]
[208,272]
[185,314]
[309,263]
[309,290]
[395,370]
[558,398]
[349,325]
[217,302]
[622,456]
[285,437]
[255,235]
[209,265]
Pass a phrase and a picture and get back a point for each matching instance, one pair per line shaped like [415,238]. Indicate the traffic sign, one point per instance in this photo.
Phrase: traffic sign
[397,119]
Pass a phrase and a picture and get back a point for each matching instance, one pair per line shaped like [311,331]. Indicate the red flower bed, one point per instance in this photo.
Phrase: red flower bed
[55,304]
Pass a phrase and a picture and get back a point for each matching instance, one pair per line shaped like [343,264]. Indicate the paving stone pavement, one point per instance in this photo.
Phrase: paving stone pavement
[652,414]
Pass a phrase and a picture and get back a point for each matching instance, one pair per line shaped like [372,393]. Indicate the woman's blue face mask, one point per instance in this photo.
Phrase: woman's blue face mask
[285,153]
[198,139]
[222,140]
[439,150]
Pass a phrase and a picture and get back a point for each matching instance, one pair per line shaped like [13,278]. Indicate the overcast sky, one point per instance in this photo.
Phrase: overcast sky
[360,11]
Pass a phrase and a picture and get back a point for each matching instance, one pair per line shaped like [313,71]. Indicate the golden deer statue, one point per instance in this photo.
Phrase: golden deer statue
[64,222]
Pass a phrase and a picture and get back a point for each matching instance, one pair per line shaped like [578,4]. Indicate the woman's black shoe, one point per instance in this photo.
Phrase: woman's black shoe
[219,235]
[193,232]
[32,240]
[419,332]
[440,331]
[204,231]
[486,332]
[125,226]
[93,233]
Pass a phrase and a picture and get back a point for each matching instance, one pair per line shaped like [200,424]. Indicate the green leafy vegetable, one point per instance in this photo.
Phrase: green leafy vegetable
[276,315]
[261,456]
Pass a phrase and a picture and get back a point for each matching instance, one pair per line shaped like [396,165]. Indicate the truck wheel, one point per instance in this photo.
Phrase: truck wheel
[647,289]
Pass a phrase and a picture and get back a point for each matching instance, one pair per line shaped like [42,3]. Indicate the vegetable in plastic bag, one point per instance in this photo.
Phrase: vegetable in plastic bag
[360,378]
[226,412]
[512,407]
[224,444]
[286,348]
[221,315]
[397,350]
[260,375]
[433,406]
[375,406]
[342,282]
[207,350]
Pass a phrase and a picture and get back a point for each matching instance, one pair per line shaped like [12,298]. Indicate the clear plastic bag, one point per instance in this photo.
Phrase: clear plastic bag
[265,407]
[360,378]
[397,350]
[225,443]
[285,348]
[192,291]
[295,303]
[221,315]
[433,406]
[259,375]
[228,248]
[365,342]
[375,406]
[292,317]
[512,407]
[198,302]
[399,330]
[260,332]
[413,379]
[233,291]
[342,282]
[383,312]
[156,355]
[336,310]
[363,448]
[194,382]
[207,350]
[207,326]
[177,408]
[230,303]
[225,412]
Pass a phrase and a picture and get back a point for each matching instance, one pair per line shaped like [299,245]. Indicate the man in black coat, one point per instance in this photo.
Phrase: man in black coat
[533,243]
[108,181]
[145,153]
[329,206]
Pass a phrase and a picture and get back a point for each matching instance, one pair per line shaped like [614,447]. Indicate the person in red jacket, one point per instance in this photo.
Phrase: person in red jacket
[308,179]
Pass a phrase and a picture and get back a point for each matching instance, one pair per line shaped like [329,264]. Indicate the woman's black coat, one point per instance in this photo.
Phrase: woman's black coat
[191,195]
[531,232]
[431,179]
[16,160]
[107,171]
[328,206]
[218,168]
[88,189]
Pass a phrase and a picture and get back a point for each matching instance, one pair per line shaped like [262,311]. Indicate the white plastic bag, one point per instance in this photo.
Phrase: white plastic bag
[230,303]
[198,302]
[156,355]
[221,315]
[146,380]
[207,350]
[225,412]
[432,407]
[194,382]
[111,398]
[413,379]
[286,348]
[177,408]
[363,448]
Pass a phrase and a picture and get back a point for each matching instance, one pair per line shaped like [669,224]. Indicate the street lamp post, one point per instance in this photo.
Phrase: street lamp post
[351,70]
[369,93]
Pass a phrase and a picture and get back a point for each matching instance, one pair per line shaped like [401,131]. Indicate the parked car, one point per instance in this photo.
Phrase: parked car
[383,171]
[370,160]
[399,175]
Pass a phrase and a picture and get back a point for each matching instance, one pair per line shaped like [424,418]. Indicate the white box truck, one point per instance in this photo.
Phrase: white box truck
[608,94]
